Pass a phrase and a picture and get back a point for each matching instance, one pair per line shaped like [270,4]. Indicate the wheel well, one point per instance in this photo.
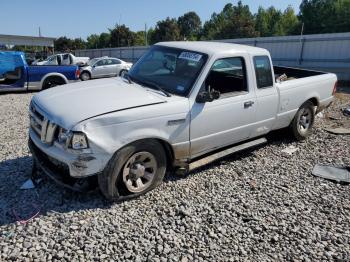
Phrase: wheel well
[57,77]
[85,71]
[169,152]
[122,70]
[314,101]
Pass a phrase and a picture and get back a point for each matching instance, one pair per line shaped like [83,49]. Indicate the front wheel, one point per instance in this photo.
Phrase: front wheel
[133,170]
[123,73]
[85,76]
[303,121]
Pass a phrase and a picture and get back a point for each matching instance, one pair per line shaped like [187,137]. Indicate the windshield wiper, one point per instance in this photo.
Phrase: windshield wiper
[154,85]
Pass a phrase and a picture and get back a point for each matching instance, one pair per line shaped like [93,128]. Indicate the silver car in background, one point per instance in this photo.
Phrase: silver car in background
[104,67]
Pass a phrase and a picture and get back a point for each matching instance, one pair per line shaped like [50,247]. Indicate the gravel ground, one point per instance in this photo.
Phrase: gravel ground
[258,205]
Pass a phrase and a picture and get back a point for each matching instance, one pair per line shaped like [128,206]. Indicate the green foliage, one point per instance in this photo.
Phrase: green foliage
[325,16]
[93,41]
[104,40]
[231,22]
[140,38]
[234,21]
[166,30]
[122,36]
[190,26]
[64,44]
[272,22]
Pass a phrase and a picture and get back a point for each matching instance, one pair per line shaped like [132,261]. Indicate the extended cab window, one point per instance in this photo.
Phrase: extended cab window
[263,71]
[228,75]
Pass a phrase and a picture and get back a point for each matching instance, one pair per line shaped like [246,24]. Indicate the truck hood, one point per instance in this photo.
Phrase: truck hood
[70,104]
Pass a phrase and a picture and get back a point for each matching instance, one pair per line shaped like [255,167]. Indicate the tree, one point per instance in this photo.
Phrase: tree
[77,43]
[272,22]
[139,38]
[63,44]
[104,40]
[290,22]
[166,30]
[190,25]
[231,22]
[93,41]
[325,16]
[122,36]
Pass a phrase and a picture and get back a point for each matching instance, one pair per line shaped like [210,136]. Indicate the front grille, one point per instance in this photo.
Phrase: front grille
[43,127]
[55,166]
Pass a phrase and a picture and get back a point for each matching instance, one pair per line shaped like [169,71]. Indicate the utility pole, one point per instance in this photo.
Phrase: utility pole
[302,41]
[146,42]
[39,31]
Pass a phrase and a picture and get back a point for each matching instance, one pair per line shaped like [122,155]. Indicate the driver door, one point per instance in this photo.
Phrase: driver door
[226,120]
[99,69]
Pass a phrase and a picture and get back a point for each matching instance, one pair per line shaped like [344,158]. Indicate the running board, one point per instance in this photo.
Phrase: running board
[226,152]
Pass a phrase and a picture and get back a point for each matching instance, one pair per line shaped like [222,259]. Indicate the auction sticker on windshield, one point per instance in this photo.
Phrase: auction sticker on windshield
[190,56]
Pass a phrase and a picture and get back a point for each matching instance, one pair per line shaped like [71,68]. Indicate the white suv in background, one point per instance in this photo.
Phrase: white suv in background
[104,67]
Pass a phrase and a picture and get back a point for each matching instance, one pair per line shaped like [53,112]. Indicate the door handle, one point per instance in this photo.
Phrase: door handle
[248,104]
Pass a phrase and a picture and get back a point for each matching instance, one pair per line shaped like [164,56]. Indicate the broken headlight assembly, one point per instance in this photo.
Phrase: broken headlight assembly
[73,140]
[79,141]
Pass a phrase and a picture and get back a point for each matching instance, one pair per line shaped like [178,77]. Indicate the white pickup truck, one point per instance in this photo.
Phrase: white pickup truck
[63,59]
[182,104]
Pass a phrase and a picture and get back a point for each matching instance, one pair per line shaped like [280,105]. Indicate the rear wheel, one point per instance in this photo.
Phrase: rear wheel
[133,170]
[303,121]
[84,76]
[53,81]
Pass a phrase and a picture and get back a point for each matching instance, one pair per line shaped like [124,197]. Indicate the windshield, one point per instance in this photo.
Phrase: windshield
[174,70]
[92,61]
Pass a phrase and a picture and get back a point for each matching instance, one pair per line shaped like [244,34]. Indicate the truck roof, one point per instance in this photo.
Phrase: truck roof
[212,48]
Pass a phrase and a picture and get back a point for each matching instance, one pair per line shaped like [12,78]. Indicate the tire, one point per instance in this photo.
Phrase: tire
[143,161]
[53,81]
[301,126]
[122,72]
[84,76]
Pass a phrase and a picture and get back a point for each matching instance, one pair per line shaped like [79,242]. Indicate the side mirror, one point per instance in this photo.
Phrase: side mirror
[206,96]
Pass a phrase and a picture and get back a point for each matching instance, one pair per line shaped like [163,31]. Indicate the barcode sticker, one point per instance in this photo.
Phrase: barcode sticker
[190,56]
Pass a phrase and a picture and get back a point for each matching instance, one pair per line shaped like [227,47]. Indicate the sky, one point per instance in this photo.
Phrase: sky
[80,18]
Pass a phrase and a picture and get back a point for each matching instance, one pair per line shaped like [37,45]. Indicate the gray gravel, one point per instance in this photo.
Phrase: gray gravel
[258,205]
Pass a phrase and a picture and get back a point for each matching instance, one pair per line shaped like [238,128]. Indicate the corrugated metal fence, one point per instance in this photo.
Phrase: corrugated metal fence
[325,52]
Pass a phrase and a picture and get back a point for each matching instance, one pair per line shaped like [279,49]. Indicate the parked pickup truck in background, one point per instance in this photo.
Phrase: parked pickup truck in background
[181,102]
[63,59]
[16,75]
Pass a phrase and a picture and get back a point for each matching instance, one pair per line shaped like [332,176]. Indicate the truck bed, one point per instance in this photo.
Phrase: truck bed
[299,86]
[294,73]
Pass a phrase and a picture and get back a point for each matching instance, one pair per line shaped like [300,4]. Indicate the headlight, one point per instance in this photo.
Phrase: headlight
[79,141]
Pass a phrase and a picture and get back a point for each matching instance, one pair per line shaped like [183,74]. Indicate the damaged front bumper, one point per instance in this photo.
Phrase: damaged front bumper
[55,159]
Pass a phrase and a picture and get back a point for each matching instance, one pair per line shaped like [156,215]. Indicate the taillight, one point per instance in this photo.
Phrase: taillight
[335,88]
[77,73]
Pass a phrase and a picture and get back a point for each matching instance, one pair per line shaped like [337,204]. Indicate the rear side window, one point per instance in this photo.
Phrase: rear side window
[263,71]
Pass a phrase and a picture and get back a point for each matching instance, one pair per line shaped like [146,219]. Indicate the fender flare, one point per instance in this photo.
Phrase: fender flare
[52,74]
